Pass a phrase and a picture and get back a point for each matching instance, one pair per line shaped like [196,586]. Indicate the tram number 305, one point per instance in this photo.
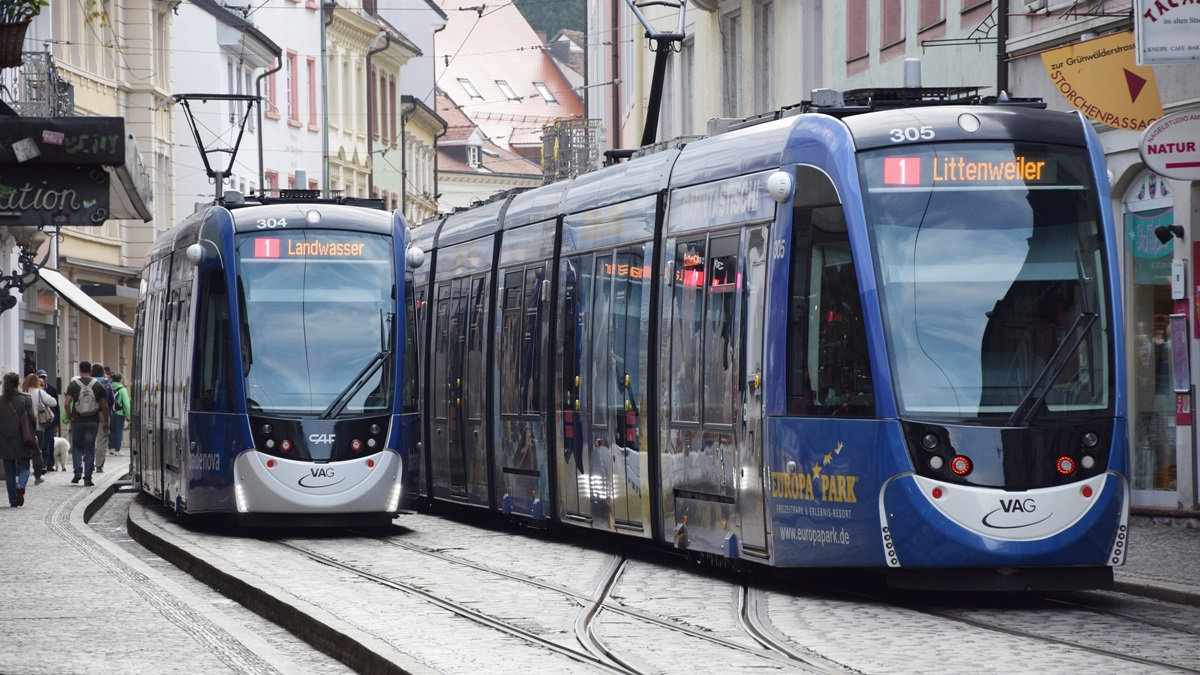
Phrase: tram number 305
[912,134]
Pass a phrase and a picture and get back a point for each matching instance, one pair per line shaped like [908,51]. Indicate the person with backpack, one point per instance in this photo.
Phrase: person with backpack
[120,413]
[86,411]
[100,374]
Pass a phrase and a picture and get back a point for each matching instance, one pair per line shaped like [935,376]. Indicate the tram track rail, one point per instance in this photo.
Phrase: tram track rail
[774,648]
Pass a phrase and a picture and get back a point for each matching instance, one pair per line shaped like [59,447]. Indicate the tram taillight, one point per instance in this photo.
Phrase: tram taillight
[285,445]
[960,465]
[1065,465]
[356,445]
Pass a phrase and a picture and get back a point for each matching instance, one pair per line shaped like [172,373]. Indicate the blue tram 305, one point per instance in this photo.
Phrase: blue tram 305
[881,333]
[275,370]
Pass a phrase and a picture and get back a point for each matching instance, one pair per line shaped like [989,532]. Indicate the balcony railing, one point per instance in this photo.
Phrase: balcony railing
[35,89]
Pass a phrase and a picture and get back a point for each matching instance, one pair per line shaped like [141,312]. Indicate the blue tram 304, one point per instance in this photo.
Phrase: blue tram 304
[275,370]
[882,333]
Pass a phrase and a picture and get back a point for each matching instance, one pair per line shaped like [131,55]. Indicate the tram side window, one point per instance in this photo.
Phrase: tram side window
[408,400]
[533,338]
[214,346]
[829,369]
[441,378]
[687,326]
[510,344]
[719,339]
[475,331]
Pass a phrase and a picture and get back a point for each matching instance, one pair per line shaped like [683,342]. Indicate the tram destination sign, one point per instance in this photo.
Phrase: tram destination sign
[310,247]
[966,169]
[54,195]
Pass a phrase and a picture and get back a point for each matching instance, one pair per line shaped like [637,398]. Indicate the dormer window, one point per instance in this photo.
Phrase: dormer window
[508,91]
[470,88]
[473,156]
[545,92]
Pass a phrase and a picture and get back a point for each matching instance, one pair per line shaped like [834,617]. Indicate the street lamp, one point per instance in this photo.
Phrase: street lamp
[28,239]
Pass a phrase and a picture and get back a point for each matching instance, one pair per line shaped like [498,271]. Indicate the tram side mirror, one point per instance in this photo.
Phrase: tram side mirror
[414,258]
[779,186]
[195,254]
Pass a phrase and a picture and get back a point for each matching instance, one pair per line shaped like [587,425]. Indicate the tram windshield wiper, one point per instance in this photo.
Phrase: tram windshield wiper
[368,371]
[1031,403]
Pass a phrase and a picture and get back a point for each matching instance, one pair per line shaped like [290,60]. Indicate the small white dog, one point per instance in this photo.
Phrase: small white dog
[62,453]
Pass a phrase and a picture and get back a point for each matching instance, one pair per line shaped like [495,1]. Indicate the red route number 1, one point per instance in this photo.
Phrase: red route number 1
[266,248]
[901,170]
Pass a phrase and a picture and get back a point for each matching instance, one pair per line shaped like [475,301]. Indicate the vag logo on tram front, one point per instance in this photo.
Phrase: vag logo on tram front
[1014,509]
[321,439]
[319,477]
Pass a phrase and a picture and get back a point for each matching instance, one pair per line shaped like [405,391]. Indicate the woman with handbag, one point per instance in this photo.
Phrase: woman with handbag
[43,415]
[16,435]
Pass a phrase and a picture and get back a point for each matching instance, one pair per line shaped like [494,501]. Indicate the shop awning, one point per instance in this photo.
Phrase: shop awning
[83,302]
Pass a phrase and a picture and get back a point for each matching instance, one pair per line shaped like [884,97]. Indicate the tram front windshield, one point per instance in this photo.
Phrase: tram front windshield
[318,314]
[992,279]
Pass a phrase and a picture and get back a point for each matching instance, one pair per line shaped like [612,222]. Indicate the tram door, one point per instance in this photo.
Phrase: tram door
[178,368]
[574,469]
[751,500]
[449,473]
[620,309]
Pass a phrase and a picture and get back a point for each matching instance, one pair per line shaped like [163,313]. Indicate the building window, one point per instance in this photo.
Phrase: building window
[473,156]
[272,187]
[293,88]
[1150,203]
[764,49]
[930,13]
[470,88]
[271,110]
[392,108]
[312,94]
[856,29]
[731,53]
[891,23]
[547,95]
[508,91]
[687,66]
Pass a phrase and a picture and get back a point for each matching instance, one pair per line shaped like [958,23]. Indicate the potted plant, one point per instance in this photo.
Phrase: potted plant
[15,16]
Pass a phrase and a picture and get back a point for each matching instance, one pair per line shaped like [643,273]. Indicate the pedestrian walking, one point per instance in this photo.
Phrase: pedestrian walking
[53,429]
[120,414]
[99,375]
[13,451]
[87,413]
[32,386]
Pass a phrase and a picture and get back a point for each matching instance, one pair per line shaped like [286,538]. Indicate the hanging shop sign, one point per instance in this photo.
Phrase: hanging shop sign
[1171,146]
[1168,31]
[53,195]
[1101,79]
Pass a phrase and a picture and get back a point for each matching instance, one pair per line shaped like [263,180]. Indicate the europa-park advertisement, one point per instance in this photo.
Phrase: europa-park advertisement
[823,492]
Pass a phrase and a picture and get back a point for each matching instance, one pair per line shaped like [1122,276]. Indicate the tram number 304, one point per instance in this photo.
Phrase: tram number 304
[270,223]
[911,134]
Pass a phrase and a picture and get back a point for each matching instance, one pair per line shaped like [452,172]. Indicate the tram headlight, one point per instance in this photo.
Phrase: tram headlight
[936,463]
[929,441]
[394,498]
[1090,439]
[1087,462]
[239,496]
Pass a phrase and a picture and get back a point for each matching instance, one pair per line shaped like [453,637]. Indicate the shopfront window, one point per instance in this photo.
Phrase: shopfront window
[1148,205]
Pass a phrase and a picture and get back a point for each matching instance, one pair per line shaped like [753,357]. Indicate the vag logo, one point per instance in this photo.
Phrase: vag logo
[321,439]
[1018,505]
[319,477]
[1013,514]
